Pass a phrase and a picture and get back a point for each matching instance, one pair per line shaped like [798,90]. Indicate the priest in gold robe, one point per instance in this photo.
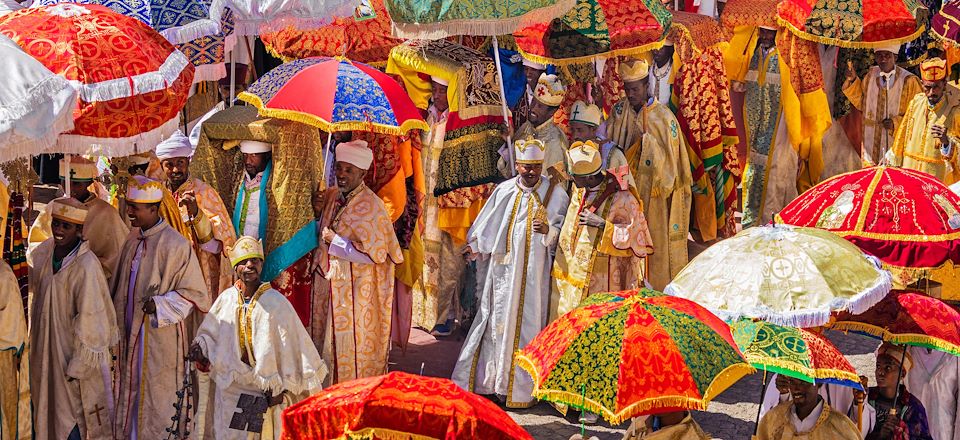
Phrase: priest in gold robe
[678,425]
[15,420]
[275,360]
[72,329]
[202,209]
[105,230]
[547,97]
[359,252]
[657,154]
[158,292]
[927,138]
[604,239]
[883,96]
[584,124]
[805,416]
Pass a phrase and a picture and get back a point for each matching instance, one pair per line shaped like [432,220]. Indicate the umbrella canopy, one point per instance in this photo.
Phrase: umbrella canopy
[363,38]
[944,23]
[132,82]
[908,219]
[908,318]
[753,13]
[855,24]
[253,17]
[208,54]
[415,19]
[793,352]
[632,353]
[786,275]
[179,21]
[398,405]
[35,104]
[364,98]
[596,29]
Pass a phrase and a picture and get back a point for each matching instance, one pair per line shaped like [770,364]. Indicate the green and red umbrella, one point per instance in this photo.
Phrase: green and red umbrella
[631,353]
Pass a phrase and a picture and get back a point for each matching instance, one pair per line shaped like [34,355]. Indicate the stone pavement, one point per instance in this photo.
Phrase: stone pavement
[730,417]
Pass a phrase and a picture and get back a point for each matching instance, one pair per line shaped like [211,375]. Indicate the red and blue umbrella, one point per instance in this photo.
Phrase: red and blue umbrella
[335,94]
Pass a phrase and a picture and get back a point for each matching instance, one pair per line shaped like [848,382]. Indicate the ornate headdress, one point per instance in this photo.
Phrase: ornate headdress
[68,210]
[635,70]
[584,158]
[934,69]
[245,248]
[530,151]
[143,190]
[550,90]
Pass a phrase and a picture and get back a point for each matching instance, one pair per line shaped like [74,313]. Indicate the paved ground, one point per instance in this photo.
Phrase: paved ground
[730,417]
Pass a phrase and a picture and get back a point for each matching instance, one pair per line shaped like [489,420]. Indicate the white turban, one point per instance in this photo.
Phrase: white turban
[533,64]
[254,147]
[439,80]
[177,145]
[355,153]
[892,48]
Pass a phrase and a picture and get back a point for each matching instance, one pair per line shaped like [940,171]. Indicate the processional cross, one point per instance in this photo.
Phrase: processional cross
[250,417]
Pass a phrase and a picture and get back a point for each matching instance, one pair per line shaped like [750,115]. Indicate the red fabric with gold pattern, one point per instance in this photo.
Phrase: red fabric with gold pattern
[398,405]
[296,284]
[386,163]
[907,219]
[749,13]
[94,45]
[367,41]
[853,23]
[910,318]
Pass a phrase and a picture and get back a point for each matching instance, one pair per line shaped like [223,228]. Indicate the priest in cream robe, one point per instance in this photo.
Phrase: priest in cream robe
[359,253]
[15,420]
[73,326]
[935,381]
[657,155]
[105,230]
[202,209]
[883,96]
[805,416]
[253,344]
[604,239]
[158,291]
[540,125]
[927,138]
[516,232]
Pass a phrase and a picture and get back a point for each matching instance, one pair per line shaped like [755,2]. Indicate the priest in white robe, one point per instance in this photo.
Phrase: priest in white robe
[256,350]
[515,231]
[935,380]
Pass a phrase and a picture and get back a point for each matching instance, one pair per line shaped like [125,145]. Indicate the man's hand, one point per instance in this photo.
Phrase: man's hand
[887,124]
[189,199]
[851,73]
[328,234]
[319,200]
[540,227]
[590,219]
[940,132]
[273,400]
[195,354]
[890,425]
[468,253]
[149,306]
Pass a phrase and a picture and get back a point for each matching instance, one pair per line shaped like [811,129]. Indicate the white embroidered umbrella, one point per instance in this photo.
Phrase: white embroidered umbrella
[252,17]
[36,105]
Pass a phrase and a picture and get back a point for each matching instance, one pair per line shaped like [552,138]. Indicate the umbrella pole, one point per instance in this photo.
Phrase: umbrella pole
[763,392]
[896,396]
[67,179]
[233,78]
[323,162]
[503,101]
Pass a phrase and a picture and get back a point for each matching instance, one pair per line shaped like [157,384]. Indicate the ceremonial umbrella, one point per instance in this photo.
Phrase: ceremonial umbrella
[252,17]
[793,352]
[632,353]
[417,19]
[752,13]
[398,406]
[596,29]
[178,21]
[908,219]
[363,38]
[335,94]
[855,23]
[208,54]
[132,82]
[35,104]
[945,24]
[782,274]
[907,318]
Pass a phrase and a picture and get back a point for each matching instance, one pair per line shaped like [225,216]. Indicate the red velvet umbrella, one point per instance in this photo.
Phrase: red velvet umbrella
[908,219]
[398,405]
[854,23]
[132,82]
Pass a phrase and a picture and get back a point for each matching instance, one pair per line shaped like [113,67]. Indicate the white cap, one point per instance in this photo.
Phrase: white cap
[355,153]
[177,145]
[439,80]
[254,147]
[892,48]
[534,64]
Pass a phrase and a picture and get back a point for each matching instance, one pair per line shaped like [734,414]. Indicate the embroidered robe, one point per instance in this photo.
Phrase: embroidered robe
[15,411]
[212,223]
[914,147]
[880,101]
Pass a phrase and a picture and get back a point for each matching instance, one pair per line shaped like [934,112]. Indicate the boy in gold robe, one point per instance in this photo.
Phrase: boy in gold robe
[805,416]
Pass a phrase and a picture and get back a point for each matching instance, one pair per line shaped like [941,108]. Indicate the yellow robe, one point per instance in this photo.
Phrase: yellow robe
[14,387]
[357,342]
[73,327]
[877,103]
[658,159]
[212,223]
[914,147]
[776,425]
[104,230]
[552,137]
[688,429]
[590,261]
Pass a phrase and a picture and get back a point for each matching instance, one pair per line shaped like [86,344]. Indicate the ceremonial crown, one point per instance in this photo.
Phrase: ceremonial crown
[584,158]
[635,70]
[143,190]
[585,113]
[530,151]
[68,210]
[550,90]
[934,69]
[245,248]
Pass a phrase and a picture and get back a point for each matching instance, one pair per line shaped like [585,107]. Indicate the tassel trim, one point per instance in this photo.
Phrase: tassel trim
[206,27]
[913,339]
[18,146]
[846,43]
[117,147]
[482,27]
[209,72]
[95,357]
[382,434]
[257,26]
[322,124]
[167,73]
[798,371]
[37,96]
[589,59]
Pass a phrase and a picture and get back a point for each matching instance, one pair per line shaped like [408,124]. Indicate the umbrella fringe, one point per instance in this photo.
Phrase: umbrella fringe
[22,146]
[785,367]
[914,339]
[849,44]
[382,434]
[166,74]
[209,72]
[38,95]
[589,59]
[207,27]
[322,124]
[70,143]
[259,26]
[488,27]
